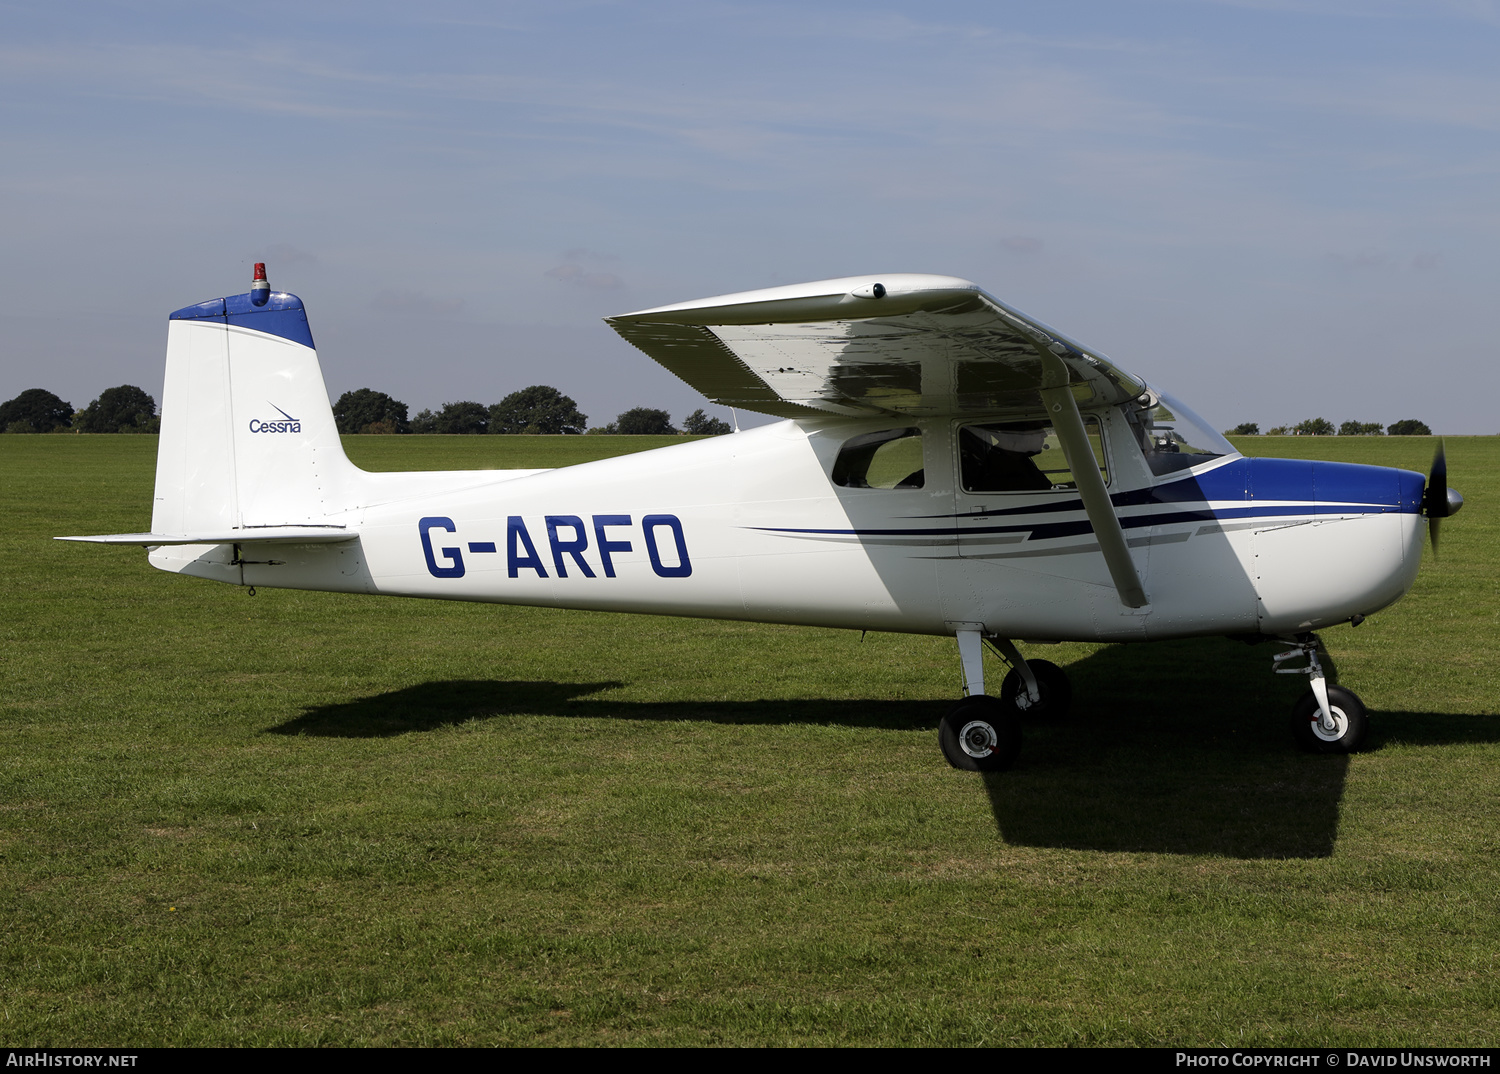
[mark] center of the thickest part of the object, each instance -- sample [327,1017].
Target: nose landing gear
[1328,718]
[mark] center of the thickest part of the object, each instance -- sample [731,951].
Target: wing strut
[1062,409]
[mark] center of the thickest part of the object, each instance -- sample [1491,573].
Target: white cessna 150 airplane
[947,466]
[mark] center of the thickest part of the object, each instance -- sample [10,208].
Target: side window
[1021,457]
[889,459]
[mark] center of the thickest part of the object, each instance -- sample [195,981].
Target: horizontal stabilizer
[249,535]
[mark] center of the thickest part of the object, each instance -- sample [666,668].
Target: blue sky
[1274,209]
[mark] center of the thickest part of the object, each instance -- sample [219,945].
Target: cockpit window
[1171,436]
[889,459]
[1021,457]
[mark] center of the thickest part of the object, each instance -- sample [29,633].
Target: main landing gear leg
[979,733]
[1328,718]
[1032,694]
[1036,689]
[983,733]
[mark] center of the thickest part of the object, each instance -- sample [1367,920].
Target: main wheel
[1349,722]
[980,734]
[1052,682]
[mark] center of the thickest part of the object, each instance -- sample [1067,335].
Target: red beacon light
[260,287]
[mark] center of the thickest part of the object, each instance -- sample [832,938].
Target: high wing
[904,343]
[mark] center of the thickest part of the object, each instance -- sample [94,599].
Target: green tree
[1315,427]
[700,424]
[1280,430]
[1361,428]
[465,418]
[1245,428]
[367,411]
[643,421]
[1408,427]
[37,408]
[126,409]
[537,409]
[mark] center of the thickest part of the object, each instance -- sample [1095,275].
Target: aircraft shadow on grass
[431,705]
[1185,747]
[1175,747]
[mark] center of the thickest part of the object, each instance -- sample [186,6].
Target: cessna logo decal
[285,424]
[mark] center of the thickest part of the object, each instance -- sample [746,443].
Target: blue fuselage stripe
[1040,530]
[1301,487]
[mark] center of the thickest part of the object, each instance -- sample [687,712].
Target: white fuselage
[750,526]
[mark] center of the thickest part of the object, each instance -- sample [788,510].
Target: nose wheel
[1328,718]
[1341,730]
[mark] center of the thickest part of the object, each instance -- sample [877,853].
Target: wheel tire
[1349,718]
[980,734]
[1051,680]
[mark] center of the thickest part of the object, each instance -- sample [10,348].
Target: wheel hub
[1336,731]
[978,738]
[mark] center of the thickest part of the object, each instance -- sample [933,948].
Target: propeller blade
[1435,498]
[1438,482]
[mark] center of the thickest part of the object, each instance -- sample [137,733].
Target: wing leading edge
[903,343]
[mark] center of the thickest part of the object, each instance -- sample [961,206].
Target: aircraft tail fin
[247,435]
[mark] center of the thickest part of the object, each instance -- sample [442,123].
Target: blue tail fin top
[282,315]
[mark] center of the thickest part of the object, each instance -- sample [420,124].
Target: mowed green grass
[303,818]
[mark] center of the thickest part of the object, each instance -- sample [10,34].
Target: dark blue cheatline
[1316,488]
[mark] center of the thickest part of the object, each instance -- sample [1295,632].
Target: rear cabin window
[1021,457]
[889,459]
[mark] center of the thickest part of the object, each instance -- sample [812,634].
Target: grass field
[305,818]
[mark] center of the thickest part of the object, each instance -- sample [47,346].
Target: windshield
[1172,436]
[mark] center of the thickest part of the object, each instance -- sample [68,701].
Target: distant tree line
[126,409]
[1324,427]
[644,421]
[537,410]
